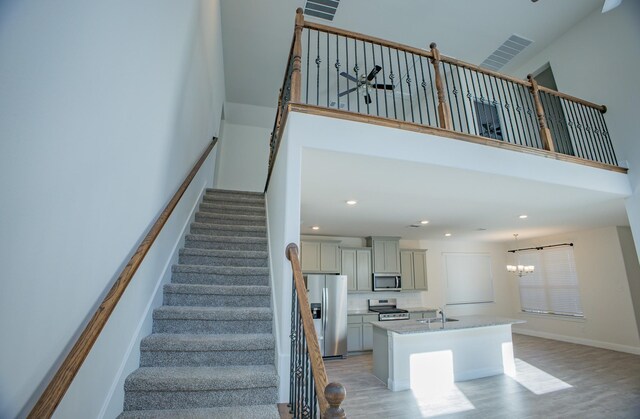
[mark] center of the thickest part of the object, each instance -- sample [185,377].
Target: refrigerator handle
[324,310]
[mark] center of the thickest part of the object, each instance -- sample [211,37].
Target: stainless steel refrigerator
[328,299]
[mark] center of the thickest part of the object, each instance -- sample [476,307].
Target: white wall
[598,60]
[609,317]
[283,220]
[105,107]
[244,155]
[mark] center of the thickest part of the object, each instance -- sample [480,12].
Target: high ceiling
[472,206]
[257,33]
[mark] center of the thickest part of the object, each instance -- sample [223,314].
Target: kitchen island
[413,353]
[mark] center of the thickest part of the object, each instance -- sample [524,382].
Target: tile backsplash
[405,299]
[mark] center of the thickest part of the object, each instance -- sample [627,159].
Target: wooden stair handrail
[329,395]
[61,381]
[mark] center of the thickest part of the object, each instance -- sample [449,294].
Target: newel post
[335,394]
[296,70]
[545,133]
[444,114]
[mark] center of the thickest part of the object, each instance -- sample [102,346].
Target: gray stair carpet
[212,351]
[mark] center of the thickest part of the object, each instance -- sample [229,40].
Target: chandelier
[519,270]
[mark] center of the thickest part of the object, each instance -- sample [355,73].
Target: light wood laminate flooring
[553,379]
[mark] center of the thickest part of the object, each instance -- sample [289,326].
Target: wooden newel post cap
[335,394]
[433,45]
[299,11]
[290,246]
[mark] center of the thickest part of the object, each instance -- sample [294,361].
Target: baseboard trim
[165,277]
[580,341]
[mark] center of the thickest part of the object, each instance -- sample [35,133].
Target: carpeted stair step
[217,295]
[191,350]
[230,219]
[230,192]
[216,320]
[213,229]
[230,208]
[212,257]
[202,241]
[258,411]
[196,387]
[219,275]
[236,199]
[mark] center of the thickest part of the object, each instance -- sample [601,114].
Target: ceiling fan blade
[349,76]
[610,5]
[374,72]
[367,98]
[382,86]
[346,92]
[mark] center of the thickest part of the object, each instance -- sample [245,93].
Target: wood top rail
[367,38]
[59,384]
[329,395]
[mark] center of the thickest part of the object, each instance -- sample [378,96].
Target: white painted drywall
[244,155]
[598,60]
[630,257]
[105,107]
[283,215]
[609,317]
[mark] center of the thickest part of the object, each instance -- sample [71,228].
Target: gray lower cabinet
[360,332]
[356,265]
[413,269]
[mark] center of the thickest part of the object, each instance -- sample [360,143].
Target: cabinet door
[329,257]
[391,256]
[363,270]
[367,337]
[406,269]
[354,337]
[378,256]
[348,268]
[310,256]
[419,270]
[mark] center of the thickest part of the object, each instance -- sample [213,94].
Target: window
[553,287]
[488,120]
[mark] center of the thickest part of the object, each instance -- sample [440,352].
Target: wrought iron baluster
[574,130]
[328,59]
[470,96]
[384,80]
[490,129]
[391,77]
[408,80]
[337,66]
[448,89]
[607,138]
[498,104]
[346,52]
[561,119]
[587,132]
[456,91]
[523,114]
[367,95]
[355,70]
[415,75]
[308,68]
[508,131]
[404,117]
[594,134]
[424,88]
[373,56]
[579,130]
[318,61]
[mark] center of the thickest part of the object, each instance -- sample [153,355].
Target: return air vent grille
[323,9]
[505,52]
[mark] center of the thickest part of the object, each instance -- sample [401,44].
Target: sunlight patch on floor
[432,384]
[536,380]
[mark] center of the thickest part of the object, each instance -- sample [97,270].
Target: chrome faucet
[443,318]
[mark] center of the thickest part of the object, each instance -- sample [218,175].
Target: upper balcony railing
[343,71]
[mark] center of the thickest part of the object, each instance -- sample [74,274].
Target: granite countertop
[464,322]
[418,309]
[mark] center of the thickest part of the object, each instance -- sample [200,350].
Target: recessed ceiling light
[352,202]
[424,222]
[447,235]
[315,228]
[523,216]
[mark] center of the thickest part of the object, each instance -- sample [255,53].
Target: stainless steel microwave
[387,282]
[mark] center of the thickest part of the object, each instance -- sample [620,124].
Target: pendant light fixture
[519,270]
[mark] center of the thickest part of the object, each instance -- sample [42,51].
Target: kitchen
[384,282]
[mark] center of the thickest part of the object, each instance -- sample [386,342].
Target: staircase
[211,353]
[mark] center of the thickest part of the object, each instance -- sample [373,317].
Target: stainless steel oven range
[388,310]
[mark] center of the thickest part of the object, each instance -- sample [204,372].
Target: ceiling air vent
[505,52]
[323,9]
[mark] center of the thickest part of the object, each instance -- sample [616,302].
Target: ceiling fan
[364,83]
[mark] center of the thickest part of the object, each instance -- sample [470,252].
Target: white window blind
[553,286]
